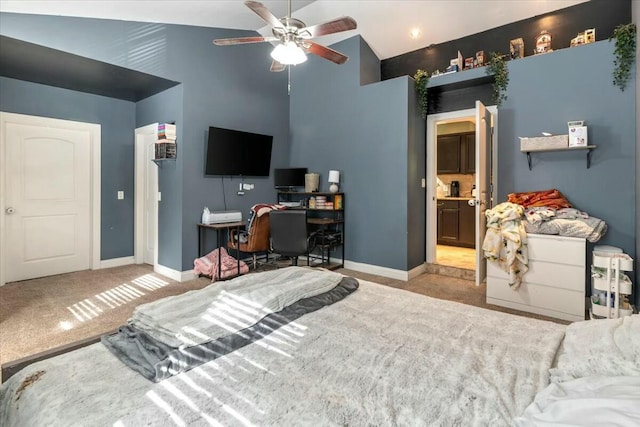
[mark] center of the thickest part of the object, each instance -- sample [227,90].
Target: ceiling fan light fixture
[289,53]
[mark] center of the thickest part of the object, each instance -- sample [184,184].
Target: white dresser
[555,284]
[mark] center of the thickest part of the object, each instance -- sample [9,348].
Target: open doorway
[455,186]
[454,208]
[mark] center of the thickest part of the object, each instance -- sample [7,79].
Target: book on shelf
[165,151]
[166,131]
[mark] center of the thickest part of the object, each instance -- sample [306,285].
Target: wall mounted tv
[289,178]
[232,152]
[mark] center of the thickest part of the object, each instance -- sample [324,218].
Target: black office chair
[289,235]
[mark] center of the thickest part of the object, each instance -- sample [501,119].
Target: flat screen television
[289,178]
[232,152]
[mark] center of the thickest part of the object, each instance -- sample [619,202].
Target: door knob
[10,210]
[472,202]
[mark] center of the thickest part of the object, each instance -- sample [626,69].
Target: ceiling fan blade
[276,67]
[325,52]
[264,13]
[241,40]
[337,25]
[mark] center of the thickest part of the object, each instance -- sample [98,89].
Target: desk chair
[255,240]
[289,236]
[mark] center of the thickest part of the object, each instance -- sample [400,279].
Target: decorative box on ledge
[543,143]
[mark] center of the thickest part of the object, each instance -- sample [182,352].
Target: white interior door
[146,195]
[47,196]
[483,184]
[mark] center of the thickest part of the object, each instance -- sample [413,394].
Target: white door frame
[139,226]
[96,143]
[433,120]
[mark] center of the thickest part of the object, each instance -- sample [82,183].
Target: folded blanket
[591,228]
[505,242]
[157,361]
[207,314]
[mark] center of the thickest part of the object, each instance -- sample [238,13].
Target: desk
[218,227]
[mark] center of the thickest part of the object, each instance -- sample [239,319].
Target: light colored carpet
[40,314]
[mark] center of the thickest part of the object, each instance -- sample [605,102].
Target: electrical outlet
[159,196]
[120,195]
[423,183]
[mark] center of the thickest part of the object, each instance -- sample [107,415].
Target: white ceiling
[385,25]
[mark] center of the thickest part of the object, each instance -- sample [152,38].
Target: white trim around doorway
[431,167]
[140,153]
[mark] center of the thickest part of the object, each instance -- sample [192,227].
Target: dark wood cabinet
[469,153]
[467,220]
[449,154]
[457,153]
[456,223]
[448,222]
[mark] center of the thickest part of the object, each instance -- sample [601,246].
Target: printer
[223,216]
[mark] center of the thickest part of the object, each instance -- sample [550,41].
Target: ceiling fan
[294,37]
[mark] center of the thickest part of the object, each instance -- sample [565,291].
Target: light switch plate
[120,195]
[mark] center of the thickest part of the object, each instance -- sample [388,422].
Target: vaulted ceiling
[385,25]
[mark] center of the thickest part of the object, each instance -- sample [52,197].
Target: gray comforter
[157,361]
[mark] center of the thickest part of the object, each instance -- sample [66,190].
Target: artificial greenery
[498,68]
[624,52]
[422,79]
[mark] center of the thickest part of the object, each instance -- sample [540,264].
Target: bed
[378,356]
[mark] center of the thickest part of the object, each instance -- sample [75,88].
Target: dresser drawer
[537,296]
[557,249]
[562,276]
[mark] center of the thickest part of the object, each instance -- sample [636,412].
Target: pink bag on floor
[208,265]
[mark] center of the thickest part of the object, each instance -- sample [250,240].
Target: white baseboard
[391,273]
[117,262]
[178,276]
[416,271]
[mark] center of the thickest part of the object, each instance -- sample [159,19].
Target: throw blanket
[548,198]
[506,241]
[219,309]
[381,357]
[156,361]
[228,266]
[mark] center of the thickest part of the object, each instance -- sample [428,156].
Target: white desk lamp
[334,179]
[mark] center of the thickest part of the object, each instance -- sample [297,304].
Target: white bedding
[597,378]
[380,357]
[589,401]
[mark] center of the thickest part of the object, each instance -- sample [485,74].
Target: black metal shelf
[589,149]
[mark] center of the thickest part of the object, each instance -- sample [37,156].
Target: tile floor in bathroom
[454,256]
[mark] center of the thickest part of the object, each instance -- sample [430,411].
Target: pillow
[609,347]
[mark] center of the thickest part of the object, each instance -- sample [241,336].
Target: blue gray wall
[363,131]
[118,122]
[221,86]
[167,107]
[544,93]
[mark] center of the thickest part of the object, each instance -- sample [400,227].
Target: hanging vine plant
[498,67]
[625,53]
[422,79]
